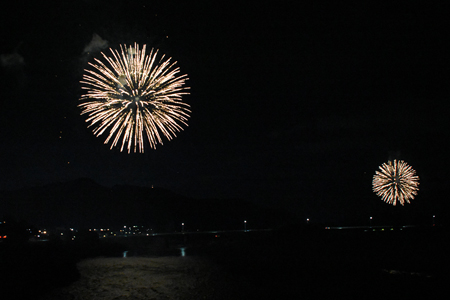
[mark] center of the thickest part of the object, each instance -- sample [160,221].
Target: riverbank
[240,265]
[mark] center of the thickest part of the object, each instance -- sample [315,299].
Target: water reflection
[171,252]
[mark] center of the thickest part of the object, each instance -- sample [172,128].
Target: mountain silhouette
[83,203]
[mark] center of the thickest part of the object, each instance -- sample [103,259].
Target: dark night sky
[292,105]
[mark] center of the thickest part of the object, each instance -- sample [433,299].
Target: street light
[370,221]
[245,225]
[434,224]
[182,227]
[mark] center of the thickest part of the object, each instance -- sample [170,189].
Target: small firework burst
[396,181]
[133,93]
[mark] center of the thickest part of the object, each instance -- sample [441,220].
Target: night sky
[293,106]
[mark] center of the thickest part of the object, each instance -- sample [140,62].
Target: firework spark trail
[136,93]
[396,181]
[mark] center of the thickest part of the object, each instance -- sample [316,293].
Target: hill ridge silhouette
[85,203]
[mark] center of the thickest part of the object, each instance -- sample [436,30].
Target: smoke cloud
[95,45]
[14,66]
[12,60]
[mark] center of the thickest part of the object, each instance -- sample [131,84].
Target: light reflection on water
[173,252]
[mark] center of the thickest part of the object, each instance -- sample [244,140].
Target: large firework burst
[131,93]
[396,181]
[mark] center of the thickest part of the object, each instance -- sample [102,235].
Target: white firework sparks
[132,93]
[396,181]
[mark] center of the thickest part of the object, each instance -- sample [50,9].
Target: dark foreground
[282,264]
